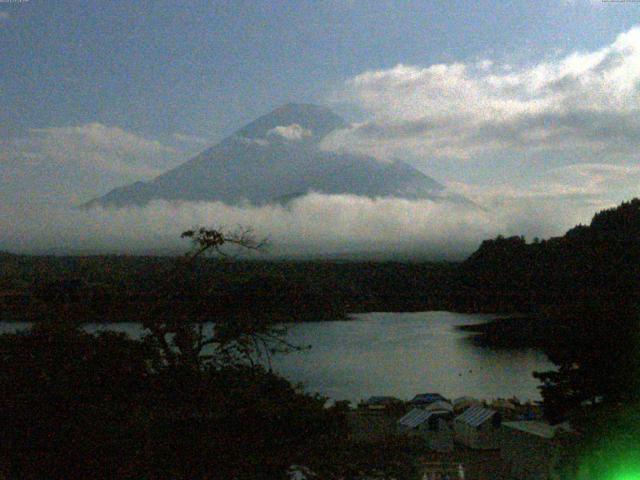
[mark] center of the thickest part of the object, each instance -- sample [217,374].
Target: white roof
[475,416]
[439,406]
[537,428]
[501,403]
[415,417]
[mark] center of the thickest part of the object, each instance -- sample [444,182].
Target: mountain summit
[274,159]
[317,121]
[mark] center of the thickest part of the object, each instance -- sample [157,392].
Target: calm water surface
[403,354]
[398,354]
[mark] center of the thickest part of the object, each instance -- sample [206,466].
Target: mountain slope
[277,158]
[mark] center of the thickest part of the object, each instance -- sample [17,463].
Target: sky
[529,108]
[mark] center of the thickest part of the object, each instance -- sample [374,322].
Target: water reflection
[398,354]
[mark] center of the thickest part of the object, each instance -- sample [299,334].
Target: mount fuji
[276,159]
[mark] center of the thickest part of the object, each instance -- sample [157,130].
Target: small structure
[460,404]
[502,404]
[440,407]
[371,425]
[380,402]
[431,426]
[478,428]
[424,399]
[532,449]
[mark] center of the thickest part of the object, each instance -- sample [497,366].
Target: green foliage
[70,403]
[182,403]
[599,364]
[75,405]
[600,261]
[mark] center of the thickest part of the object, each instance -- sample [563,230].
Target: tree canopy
[184,402]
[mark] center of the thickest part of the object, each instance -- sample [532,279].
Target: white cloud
[583,107]
[584,2]
[584,101]
[313,224]
[293,132]
[110,149]
[558,200]
[80,162]
[54,168]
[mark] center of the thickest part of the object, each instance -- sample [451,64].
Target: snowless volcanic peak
[315,121]
[275,159]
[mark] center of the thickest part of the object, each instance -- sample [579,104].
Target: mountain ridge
[276,157]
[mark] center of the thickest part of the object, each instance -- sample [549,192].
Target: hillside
[599,260]
[568,286]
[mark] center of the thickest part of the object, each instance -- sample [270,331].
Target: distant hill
[600,261]
[276,159]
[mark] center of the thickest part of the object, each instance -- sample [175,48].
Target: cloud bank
[70,165]
[315,224]
[585,103]
[293,132]
[52,170]
[580,113]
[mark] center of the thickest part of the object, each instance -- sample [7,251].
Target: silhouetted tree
[598,361]
[183,403]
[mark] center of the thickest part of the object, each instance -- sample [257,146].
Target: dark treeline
[599,260]
[505,275]
[559,283]
[314,290]
[581,292]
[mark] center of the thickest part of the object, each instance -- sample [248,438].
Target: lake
[398,354]
[403,354]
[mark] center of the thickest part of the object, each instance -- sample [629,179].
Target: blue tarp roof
[475,416]
[414,418]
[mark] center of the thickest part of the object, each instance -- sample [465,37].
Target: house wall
[529,457]
[485,437]
[370,425]
[489,436]
[465,434]
[440,440]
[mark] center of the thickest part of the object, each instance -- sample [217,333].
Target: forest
[505,275]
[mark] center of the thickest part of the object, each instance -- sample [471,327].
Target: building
[533,449]
[478,428]
[367,425]
[460,404]
[431,426]
[380,403]
[505,407]
[440,407]
[423,399]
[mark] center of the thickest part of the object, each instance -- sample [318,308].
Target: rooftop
[415,417]
[475,416]
[537,428]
